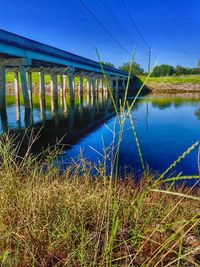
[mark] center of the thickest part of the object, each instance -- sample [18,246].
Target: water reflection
[197,113]
[4,119]
[28,118]
[166,127]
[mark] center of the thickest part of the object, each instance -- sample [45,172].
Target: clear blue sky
[171,27]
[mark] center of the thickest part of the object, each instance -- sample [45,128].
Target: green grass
[173,80]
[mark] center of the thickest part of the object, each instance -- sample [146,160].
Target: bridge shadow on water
[56,122]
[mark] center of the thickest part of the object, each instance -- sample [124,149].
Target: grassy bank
[170,79]
[173,79]
[76,219]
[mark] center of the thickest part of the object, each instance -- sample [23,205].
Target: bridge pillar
[89,86]
[30,89]
[117,85]
[98,82]
[24,84]
[101,85]
[16,85]
[17,97]
[61,91]
[54,92]
[2,86]
[108,84]
[42,90]
[71,87]
[93,87]
[81,89]
[123,85]
[111,82]
[64,92]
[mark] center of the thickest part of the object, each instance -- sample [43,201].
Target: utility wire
[134,23]
[105,29]
[118,23]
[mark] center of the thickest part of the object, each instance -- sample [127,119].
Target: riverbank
[190,84]
[172,84]
[76,219]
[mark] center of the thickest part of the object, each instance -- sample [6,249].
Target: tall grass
[74,218]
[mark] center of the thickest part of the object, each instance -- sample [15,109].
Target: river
[166,126]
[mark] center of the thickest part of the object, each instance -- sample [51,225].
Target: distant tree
[195,70]
[198,63]
[108,64]
[135,69]
[179,70]
[163,70]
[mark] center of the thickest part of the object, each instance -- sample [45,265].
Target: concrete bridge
[24,56]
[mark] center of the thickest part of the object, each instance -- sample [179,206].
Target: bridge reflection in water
[68,120]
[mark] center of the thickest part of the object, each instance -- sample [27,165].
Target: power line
[140,34]
[118,23]
[149,61]
[134,23]
[105,29]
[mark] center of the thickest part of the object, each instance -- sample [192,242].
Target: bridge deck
[12,45]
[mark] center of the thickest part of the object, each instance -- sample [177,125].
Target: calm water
[166,127]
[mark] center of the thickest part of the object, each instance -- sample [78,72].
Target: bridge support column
[42,90]
[98,82]
[123,85]
[108,84]
[117,86]
[54,92]
[89,87]
[61,92]
[111,83]
[71,87]
[2,86]
[24,84]
[101,85]
[30,89]
[17,97]
[64,92]
[81,89]
[93,87]
[16,85]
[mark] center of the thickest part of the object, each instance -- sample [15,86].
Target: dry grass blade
[175,194]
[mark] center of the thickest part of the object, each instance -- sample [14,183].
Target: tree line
[159,71]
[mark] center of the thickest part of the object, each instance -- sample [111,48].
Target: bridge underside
[25,57]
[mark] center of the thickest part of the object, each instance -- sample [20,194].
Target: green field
[35,78]
[169,79]
[172,79]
